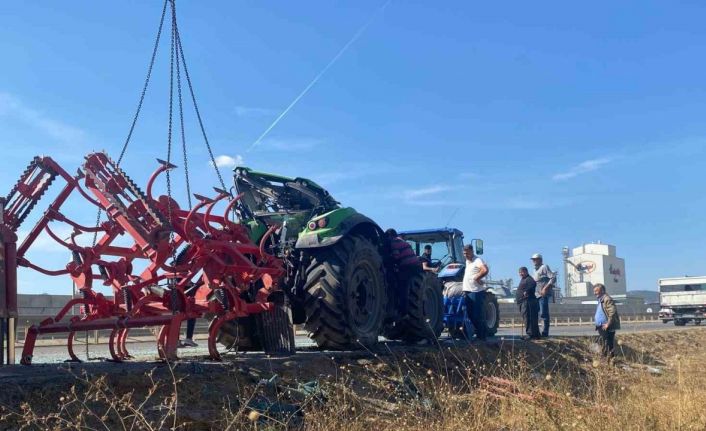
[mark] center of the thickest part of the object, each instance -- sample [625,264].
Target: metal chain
[139,104]
[171,109]
[196,109]
[169,136]
[181,113]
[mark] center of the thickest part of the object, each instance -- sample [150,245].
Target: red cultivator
[197,264]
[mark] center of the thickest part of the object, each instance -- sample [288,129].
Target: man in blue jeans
[474,290]
[546,280]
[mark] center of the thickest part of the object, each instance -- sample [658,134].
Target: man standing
[606,319]
[474,290]
[427,265]
[405,264]
[546,280]
[527,301]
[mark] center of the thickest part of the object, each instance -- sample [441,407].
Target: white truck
[682,299]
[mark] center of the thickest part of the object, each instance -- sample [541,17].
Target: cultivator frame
[198,264]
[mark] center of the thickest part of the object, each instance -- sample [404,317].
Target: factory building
[590,264]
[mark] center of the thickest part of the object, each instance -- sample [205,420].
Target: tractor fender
[353,222]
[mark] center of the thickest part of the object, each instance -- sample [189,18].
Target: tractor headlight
[318,224]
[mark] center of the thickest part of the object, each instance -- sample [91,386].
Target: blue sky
[538,124]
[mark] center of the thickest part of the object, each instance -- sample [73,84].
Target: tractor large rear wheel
[345,295]
[425,311]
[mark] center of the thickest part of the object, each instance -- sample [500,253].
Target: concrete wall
[41,305]
[35,308]
[574,311]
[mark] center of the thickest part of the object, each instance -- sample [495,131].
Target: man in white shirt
[474,290]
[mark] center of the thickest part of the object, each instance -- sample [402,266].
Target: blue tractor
[447,255]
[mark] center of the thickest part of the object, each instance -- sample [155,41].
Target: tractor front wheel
[492,314]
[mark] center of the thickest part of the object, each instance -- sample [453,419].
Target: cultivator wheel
[345,295]
[228,334]
[276,332]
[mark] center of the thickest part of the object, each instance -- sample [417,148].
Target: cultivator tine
[203,199]
[221,191]
[233,202]
[70,348]
[28,348]
[213,330]
[166,164]
[112,340]
[162,342]
[122,344]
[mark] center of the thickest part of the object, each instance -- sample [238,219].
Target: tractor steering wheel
[445,260]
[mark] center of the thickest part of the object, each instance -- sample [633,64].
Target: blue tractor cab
[447,255]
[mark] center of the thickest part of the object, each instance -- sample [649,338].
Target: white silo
[595,263]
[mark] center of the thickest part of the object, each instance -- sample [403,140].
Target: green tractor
[339,280]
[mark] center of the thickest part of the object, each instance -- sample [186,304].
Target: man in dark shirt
[425,258]
[527,301]
[403,263]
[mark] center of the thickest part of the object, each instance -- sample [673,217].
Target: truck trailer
[682,299]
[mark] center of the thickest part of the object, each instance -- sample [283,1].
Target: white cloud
[334,177]
[224,161]
[351,171]
[522,203]
[433,203]
[250,111]
[12,107]
[426,191]
[582,168]
[468,176]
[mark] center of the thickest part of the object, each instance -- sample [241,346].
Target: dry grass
[552,385]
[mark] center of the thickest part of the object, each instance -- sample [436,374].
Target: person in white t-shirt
[474,290]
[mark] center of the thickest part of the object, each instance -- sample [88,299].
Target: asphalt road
[147,350]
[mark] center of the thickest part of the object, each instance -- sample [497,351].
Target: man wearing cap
[474,290]
[546,280]
[526,299]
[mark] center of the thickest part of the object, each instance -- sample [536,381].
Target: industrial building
[590,264]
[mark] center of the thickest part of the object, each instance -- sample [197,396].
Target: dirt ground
[282,393]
